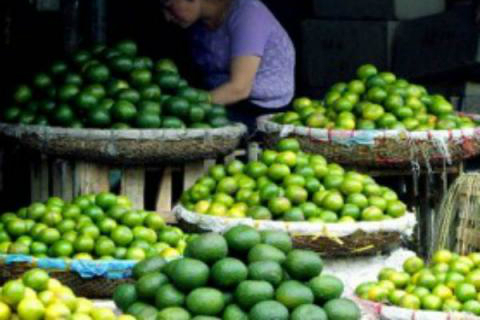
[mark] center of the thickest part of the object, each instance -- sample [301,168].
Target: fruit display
[101,226]
[36,296]
[450,283]
[113,87]
[376,100]
[242,275]
[290,185]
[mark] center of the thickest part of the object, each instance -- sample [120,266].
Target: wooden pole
[71,24]
[98,21]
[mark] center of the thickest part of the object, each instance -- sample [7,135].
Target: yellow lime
[440,267]
[467,261]
[385,273]
[83,256]
[442,291]
[217,209]
[236,213]
[57,311]
[84,306]
[347,219]
[37,279]
[413,265]
[460,267]
[4,311]
[12,292]
[53,284]
[474,278]
[442,256]
[409,301]
[475,258]
[29,293]
[396,296]
[47,297]
[420,292]
[363,288]
[451,304]
[453,278]
[102,314]
[31,309]
[377,293]
[182,244]
[431,302]
[465,291]
[67,297]
[399,279]
[426,280]
[170,253]
[202,206]
[387,284]
[80,316]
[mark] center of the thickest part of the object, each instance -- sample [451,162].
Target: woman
[246,56]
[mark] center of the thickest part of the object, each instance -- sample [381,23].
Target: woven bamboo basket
[90,279]
[132,146]
[330,240]
[378,148]
[374,310]
[459,216]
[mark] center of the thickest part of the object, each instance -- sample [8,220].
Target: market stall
[337,193]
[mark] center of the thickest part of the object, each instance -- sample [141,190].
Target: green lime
[250,292]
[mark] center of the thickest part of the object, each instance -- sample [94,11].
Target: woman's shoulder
[247,8]
[255,4]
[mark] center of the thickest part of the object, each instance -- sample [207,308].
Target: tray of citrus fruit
[243,274]
[37,296]
[377,120]
[91,243]
[447,288]
[323,206]
[114,105]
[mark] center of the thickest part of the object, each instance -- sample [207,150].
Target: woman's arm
[238,88]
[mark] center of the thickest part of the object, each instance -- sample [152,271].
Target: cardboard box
[331,51]
[377,9]
[443,43]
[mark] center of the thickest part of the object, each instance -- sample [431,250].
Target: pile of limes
[36,296]
[243,275]
[101,226]
[376,100]
[113,87]
[450,283]
[290,185]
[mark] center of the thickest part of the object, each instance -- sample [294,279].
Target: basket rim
[379,307]
[112,269]
[403,225]
[30,258]
[236,128]
[264,121]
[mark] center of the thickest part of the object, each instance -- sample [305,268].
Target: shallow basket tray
[90,279]
[377,148]
[130,146]
[374,310]
[329,239]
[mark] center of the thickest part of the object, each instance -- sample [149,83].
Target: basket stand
[69,178]
[422,190]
